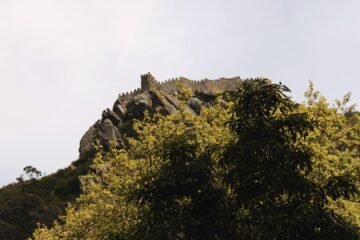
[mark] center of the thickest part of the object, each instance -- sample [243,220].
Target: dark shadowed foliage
[267,168]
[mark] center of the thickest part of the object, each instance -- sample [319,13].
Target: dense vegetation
[255,165]
[30,201]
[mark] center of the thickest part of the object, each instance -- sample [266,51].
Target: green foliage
[37,200]
[276,170]
[183,92]
[267,168]
[335,144]
[30,173]
[117,171]
[154,130]
[179,194]
[102,211]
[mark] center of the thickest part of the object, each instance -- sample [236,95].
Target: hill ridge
[115,123]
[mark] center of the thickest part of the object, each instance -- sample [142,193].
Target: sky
[63,62]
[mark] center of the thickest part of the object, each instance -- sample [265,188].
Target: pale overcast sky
[63,62]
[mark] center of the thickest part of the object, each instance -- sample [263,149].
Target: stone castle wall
[148,83]
[218,85]
[127,96]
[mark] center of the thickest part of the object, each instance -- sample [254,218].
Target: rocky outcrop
[86,142]
[103,132]
[109,131]
[116,123]
[195,104]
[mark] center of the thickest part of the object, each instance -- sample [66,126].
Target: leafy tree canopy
[257,167]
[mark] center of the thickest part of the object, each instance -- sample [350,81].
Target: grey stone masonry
[149,83]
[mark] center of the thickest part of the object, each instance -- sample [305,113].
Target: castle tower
[148,82]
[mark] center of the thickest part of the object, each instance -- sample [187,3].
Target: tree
[278,172]
[181,198]
[335,144]
[268,169]
[105,210]
[101,212]
[30,173]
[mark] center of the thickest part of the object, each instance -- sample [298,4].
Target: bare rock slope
[115,124]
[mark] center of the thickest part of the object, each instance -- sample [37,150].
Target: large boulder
[161,100]
[138,105]
[120,109]
[108,114]
[102,131]
[206,96]
[195,104]
[86,142]
[109,131]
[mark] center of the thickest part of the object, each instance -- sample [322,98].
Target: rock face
[195,104]
[116,123]
[87,140]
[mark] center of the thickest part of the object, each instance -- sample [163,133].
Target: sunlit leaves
[259,165]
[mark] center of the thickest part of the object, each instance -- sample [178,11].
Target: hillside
[24,204]
[153,96]
[254,165]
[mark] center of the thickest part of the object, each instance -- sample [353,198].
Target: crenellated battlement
[218,85]
[170,86]
[128,95]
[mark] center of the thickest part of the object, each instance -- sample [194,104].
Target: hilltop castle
[149,83]
[116,123]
